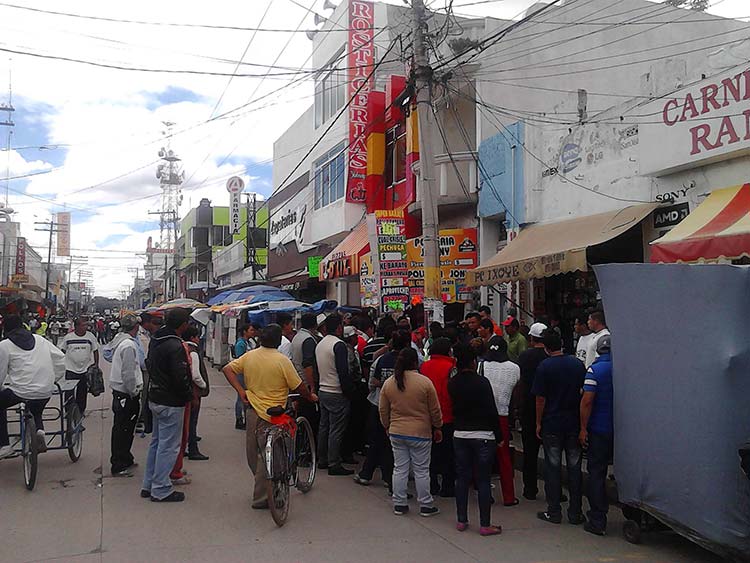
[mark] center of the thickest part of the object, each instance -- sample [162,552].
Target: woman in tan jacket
[410,412]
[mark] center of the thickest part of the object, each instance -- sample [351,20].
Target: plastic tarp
[232,295]
[681,352]
[266,316]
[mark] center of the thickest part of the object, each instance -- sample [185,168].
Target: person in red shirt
[439,369]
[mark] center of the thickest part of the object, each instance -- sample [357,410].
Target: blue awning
[234,295]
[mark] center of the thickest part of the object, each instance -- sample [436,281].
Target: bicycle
[290,457]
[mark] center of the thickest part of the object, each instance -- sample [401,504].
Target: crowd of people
[441,405]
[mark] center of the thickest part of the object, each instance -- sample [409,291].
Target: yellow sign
[532,268]
[19,278]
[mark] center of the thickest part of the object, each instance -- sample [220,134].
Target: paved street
[78,513]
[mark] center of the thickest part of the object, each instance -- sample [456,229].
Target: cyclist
[269,376]
[29,367]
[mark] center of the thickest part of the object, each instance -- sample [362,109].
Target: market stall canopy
[718,228]
[182,304]
[548,249]
[343,261]
[235,295]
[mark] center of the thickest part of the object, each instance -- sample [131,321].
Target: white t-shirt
[79,351]
[285,347]
[583,346]
[31,374]
[474,434]
[503,377]
[591,354]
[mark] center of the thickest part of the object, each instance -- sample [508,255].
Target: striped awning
[718,228]
[343,261]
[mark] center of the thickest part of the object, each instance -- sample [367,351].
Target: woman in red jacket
[439,369]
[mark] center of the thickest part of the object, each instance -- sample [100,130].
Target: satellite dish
[319,19]
[310,34]
[162,153]
[170,153]
[328,5]
[158,174]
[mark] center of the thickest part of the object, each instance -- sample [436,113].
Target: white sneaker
[6,451]
[42,439]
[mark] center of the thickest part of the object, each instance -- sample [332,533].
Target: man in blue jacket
[597,432]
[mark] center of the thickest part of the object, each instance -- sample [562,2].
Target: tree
[698,5]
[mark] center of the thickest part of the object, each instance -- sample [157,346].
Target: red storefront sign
[360,63]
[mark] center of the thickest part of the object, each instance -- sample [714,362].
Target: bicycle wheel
[30,452]
[74,433]
[277,485]
[306,455]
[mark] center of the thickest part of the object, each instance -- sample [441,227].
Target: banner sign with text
[20,256]
[458,254]
[63,233]
[235,185]
[360,63]
[390,228]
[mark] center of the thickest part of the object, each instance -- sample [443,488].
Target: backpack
[95,380]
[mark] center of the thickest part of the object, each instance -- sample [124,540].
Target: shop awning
[718,228]
[343,260]
[548,249]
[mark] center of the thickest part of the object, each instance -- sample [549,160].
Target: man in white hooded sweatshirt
[126,380]
[29,367]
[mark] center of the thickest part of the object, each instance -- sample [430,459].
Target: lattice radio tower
[171,176]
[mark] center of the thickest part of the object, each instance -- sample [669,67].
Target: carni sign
[360,60]
[235,185]
[705,122]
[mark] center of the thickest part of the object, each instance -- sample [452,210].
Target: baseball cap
[604,344]
[508,321]
[537,329]
[129,322]
[349,331]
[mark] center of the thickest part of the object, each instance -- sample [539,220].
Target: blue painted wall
[496,175]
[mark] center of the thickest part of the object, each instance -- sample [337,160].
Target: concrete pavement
[79,513]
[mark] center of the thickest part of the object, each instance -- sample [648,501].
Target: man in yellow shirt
[268,376]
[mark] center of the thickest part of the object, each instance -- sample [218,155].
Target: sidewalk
[79,513]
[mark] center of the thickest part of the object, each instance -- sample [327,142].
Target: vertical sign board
[63,233]
[235,185]
[391,254]
[20,256]
[368,282]
[360,62]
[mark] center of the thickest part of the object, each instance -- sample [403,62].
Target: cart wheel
[632,532]
[74,433]
[30,451]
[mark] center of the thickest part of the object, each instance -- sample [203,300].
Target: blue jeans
[239,407]
[415,454]
[599,454]
[474,459]
[166,439]
[554,445]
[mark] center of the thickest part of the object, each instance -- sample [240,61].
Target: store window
[395,155]
[330,177]
[220,235]
[330,91]
[199,236]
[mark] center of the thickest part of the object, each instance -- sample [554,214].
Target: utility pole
[79,260]
[422,73]
[49,226]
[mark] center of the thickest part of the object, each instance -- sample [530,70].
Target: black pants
[554,446]
[195,410]
[355,436]
[443,463]
[474,460]
[81,391]
[531,446]
[125,409]
[311,412]
[379,452]
[599,454]
[9,399]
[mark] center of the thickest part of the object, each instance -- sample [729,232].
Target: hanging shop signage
[313,266]
[670,216]
[390,228]
[20,256]
[368,283]
[709,120]
[63,233]
[235,185]
[458,255]
[360,63]
[340,266]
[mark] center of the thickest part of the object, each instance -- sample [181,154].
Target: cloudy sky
[86,138]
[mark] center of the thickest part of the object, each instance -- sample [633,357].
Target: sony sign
[288,223]
[703,123]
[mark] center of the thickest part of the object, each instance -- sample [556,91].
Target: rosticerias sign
[360,61]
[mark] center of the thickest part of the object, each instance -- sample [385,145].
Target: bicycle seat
[275,411]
